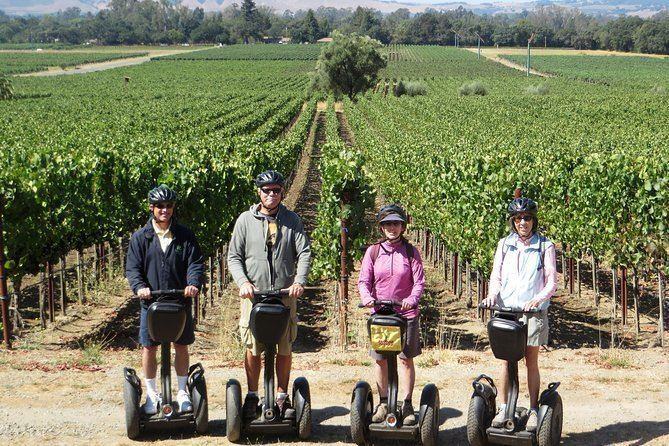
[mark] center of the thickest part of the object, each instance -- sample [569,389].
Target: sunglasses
[517,218]
[164,205]
[268,190]
[391,223]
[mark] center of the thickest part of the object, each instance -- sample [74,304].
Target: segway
[268,323]
[508,339]
[166,319]
[387,332]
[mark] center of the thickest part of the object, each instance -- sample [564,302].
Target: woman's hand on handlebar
[246,290]
[533,304]
[406,306]
[296,290]
[191,291]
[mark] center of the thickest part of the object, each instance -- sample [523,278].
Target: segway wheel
[302,404]
[362,405]
[233,410]
[429,423]
[131,402]
[478,420]
[200,406]
[550,430]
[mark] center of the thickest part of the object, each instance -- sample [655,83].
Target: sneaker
[408,415]
[250,408]
[380,413]
[532,421]
[150,407]
[183,400]
[498,421]
[286,409]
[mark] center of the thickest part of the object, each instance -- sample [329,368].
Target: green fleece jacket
[248,256]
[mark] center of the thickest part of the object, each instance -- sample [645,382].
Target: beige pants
[537,328]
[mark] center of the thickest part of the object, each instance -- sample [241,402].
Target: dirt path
[496,58]
[100,66]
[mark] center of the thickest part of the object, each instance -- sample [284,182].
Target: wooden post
[614,294]
[42,298]
[660,296]
[595,288]
[50,291]
[623,293]
[96,262]
[578,275]
[564,270]
[479,294]
[80,275]
[635,291]
[343,329]
[121,255]
[211,280]
[458,288]
[63,291]
[468,283]
[4,295]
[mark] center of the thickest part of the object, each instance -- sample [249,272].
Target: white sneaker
[532,421]
[150,407]
[498,421]
[183,400]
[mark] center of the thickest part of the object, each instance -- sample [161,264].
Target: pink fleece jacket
[390,277]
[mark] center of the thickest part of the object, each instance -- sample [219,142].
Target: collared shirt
[392,277]
[165,236]
[518,274]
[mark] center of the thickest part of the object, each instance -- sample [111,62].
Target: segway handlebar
[270,293]
[378,303]
[508,309]
[175,292]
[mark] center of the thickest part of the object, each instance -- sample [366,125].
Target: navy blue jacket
[147,266]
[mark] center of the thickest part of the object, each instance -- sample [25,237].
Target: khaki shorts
[286,342]
[537,328]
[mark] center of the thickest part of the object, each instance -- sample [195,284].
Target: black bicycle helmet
[269,177]
[162,194]
[391,212]
[525,205]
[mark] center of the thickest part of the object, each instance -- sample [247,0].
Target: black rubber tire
[200,406]
[550,430]
[302,396]
[233,410]
[477,422]
[429,424]
[362,405]
[131,403]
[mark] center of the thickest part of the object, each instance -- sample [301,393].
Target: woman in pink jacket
[393,270]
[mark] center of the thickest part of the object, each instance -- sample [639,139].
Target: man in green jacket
[269,250]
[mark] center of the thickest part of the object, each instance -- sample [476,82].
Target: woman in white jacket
[524,277]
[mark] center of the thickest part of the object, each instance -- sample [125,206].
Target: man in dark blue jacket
[164,255]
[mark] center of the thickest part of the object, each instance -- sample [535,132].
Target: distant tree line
[127,22]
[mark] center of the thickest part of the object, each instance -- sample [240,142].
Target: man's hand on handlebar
[144,293]
[296,290]
[191,291]
[406,306]
[246,290]
[533,304]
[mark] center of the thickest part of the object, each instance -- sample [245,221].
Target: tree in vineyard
[348,65]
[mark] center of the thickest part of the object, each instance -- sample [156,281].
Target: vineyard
[21,62]
[82,154]
[620,71]
[590,145]
[256,52]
